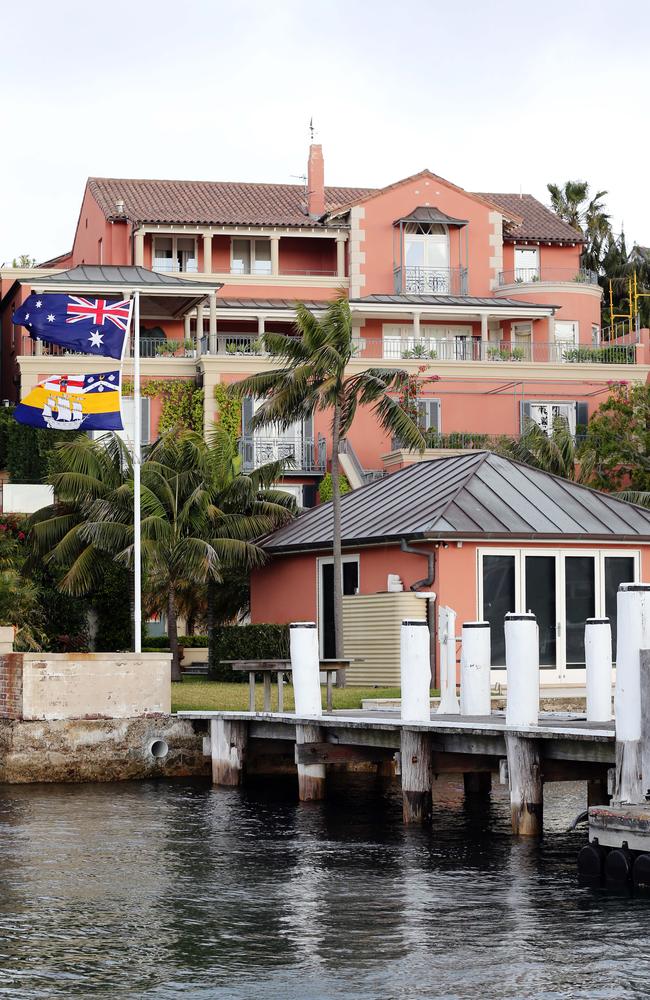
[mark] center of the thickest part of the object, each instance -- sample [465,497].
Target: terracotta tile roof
[235,204]
[212,202]
[539,222]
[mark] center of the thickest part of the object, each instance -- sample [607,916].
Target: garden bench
[281,667]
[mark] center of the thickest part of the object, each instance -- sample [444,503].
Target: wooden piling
[228,740]
[526,786]
[417,776]
[311,777]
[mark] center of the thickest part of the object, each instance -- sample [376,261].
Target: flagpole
[137,457]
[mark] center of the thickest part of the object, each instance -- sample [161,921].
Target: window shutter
[582,415]
[246,415]
[524,416]
[309,495]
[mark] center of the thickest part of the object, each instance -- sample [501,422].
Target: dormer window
[422,253]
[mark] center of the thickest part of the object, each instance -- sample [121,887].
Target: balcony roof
[161,293]
[478,495]
[426,214]
[468,301]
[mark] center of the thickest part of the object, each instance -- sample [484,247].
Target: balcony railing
[427,349]
[469,440]
[416,280]
[307,455]
[530,275]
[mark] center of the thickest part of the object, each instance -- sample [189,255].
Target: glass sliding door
[563,588]
[499,596]
[579,604]
[541,599]
[617,570]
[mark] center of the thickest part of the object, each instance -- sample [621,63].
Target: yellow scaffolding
[629,315]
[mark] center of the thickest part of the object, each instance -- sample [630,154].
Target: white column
[633,634]
[275,255]
[213,323]
[207,252]
[340,257]
[415,670]
[416,326]
[522,670]
[475,658]
[305,668]
[551,330]
[199,326]
[138,248]
[484,328]
[598,661]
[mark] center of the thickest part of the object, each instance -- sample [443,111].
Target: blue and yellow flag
[74,403]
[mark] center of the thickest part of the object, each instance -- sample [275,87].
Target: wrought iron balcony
[419,280]
[307,455]
[530,275]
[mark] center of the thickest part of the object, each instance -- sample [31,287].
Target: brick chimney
[315,182]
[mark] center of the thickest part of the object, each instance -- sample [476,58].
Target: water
[173,889]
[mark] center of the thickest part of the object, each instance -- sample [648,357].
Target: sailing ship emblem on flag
[74,402]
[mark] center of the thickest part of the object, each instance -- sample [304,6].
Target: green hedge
[245,642]
[154,642]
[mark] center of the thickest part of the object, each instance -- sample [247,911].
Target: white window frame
[293,489]
[252,241]
[573,416]
[571,341]
[174,258]
[560,672]
[535,276]
[328,561]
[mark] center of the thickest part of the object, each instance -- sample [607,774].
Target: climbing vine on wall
[229,411]
[182,403]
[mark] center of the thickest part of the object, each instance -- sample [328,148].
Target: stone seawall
[72,750]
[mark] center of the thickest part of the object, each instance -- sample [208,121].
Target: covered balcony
[430,253]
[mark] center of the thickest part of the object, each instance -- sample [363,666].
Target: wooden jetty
[557,749]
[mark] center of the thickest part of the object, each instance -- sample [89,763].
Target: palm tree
[197,518]
[573,203]
[313,378]
[199,514]
[556,453]
[85,471]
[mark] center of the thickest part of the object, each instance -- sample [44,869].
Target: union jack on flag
[82,325]
[99,311]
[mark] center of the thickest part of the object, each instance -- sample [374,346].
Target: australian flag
[89,326]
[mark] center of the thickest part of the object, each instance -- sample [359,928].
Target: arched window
[426,256]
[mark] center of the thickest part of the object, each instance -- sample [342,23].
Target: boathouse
[474,531]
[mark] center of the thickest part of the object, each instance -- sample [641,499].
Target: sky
[494,95]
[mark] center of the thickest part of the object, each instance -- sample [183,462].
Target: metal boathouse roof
[477,495]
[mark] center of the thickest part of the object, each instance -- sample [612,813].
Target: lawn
[196,693]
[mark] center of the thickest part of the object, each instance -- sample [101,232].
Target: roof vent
[120,208]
